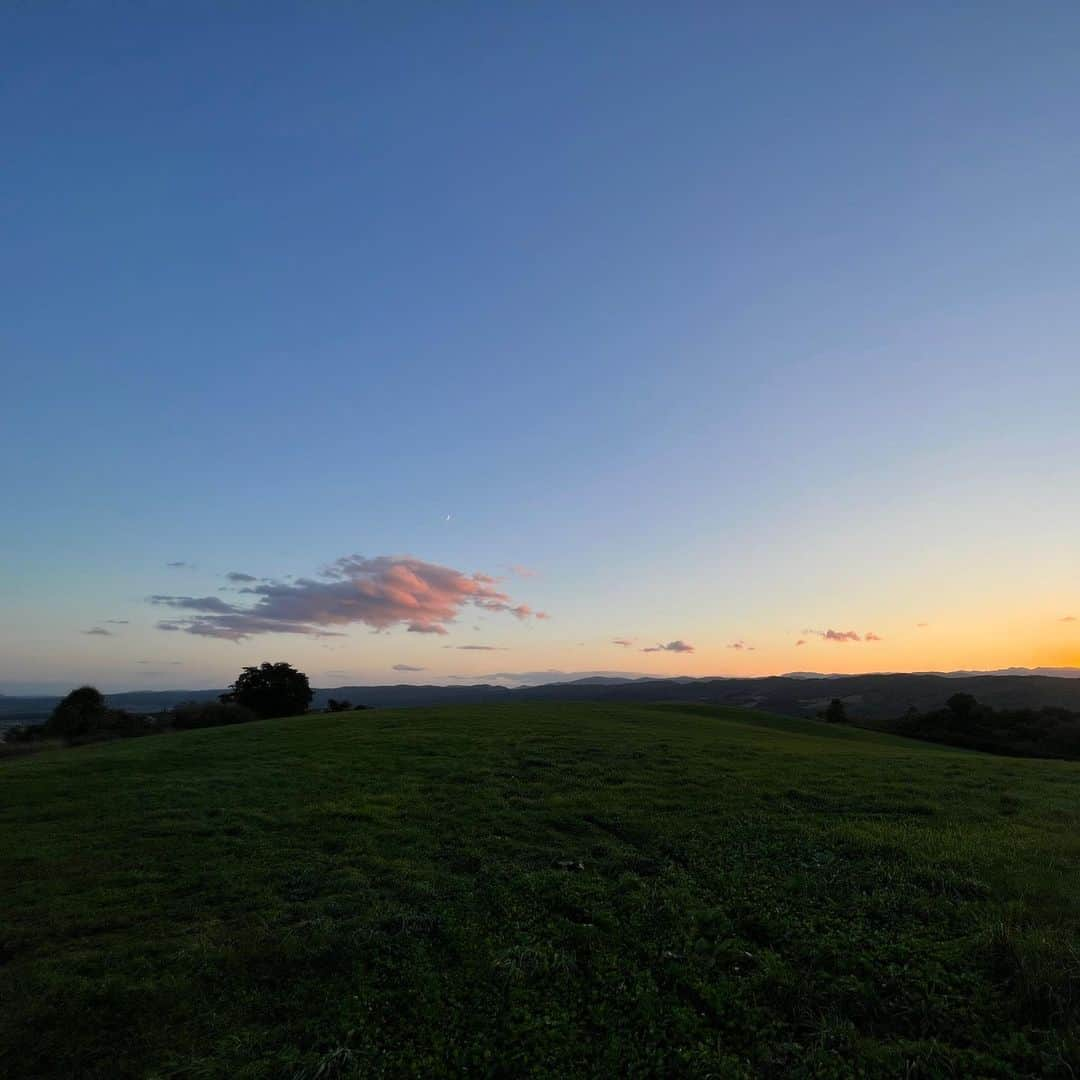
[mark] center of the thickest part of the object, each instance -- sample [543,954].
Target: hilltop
[537,889]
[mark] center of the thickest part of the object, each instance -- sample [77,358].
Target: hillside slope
[547,889]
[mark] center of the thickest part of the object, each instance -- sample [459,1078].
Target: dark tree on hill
[962,709]
[333,705]
[271,690]
[836,713]
[82,712]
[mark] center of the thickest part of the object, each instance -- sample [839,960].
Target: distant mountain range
[869,697]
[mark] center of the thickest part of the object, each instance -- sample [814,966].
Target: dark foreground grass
[548,890]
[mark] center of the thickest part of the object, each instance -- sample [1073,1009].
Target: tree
[82,712]
[836,713]
[333,705]
[962,708]
[271,690]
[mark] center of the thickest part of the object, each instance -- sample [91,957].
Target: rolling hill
[537,888]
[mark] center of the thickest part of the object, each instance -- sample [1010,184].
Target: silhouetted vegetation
[202,714]
[84,716]
[334,705]
[964,721]
[835,713]
[271,690]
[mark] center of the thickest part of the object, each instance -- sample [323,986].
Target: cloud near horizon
[98,631]
[381,592]
[842,636]
[408,667]
[671,646]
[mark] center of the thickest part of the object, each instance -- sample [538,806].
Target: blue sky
[728,324]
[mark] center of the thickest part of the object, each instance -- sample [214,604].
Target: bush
[333,705]
[201,714]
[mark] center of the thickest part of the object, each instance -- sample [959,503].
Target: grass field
[548,890]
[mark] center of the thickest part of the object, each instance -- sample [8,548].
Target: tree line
[264,692]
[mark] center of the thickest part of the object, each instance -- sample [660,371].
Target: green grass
[548,890]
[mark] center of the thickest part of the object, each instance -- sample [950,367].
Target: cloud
[871,636]
[408,667]
[625,642]
[671,646]
[181,565]
[1067,618]
[380,592]
[118,622]
[801,641]
[741,646]
[98,631]
[235,575]
[835,635]
[476,648]
[213,604]
[922,625]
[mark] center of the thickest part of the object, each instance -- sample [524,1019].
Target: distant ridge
[873,697]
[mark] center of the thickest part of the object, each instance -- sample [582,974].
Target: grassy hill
[537,889]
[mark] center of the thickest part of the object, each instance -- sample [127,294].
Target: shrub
[201,714]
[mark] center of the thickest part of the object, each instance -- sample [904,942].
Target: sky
[478,339]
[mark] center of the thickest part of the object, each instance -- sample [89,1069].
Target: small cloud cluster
[671,646]
[841,636]
[741,646]
[380,592]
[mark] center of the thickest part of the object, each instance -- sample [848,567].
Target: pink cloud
[381,592]
[801,641]
[671,646]
[871,636]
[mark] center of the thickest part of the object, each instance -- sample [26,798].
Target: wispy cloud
[801,641]
[871,636]
[741,646]
[841,636]
[98,631]
[211,604]
[922,625]
[476,648]
[623,641]
[235,575]
[381,592]
[671,646]
[181,565]
[118,622]
[1067,618]
[408,667]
